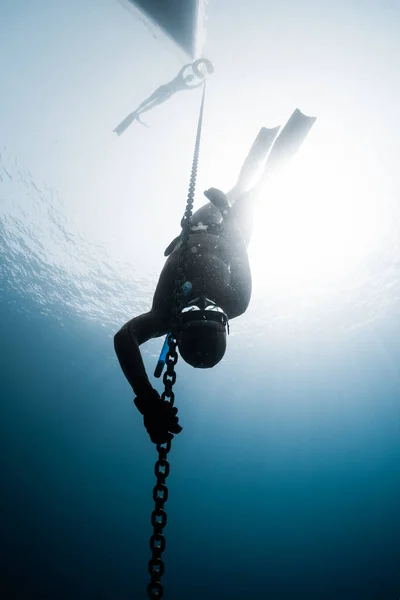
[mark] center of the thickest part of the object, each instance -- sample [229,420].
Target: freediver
[183,81]
[217,268]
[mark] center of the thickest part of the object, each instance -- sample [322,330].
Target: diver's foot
[218,199]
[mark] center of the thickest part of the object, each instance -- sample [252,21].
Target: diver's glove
[159,416]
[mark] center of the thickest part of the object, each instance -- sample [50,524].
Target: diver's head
[202,333]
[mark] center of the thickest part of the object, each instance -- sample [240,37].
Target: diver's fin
[254,160]
[119,130]
[289,140]
[172,245]
[139,120]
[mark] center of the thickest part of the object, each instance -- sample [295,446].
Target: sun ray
[319,217]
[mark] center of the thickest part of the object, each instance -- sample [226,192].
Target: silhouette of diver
[183,81]
[218,275]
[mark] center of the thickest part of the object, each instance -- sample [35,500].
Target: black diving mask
[203,309]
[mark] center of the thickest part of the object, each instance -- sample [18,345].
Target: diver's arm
[159,416]
[126,343]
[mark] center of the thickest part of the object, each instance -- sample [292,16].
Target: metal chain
[161,470]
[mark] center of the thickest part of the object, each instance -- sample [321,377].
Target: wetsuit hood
[202,333]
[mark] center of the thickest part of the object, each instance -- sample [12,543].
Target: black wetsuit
[217,266]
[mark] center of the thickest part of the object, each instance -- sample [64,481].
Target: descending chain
[160,492]
[185,224]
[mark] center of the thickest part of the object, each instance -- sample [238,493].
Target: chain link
[160,491]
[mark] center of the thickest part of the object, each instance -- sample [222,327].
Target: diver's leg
[242,200]
[253,162]
[158,97]
[238,219]
[164,292]
[243,211]
[133,116]
[162,94]
[159,92]
[209,213]
[284,148]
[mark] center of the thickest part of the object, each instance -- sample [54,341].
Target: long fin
[256,156]
[288,141]
[258,152]
[119,130]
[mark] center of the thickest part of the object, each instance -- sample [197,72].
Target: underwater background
[285,481]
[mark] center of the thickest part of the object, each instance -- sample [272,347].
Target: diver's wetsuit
[217,266]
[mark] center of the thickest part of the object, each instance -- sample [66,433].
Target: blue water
[284,482]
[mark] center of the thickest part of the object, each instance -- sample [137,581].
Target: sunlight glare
[320,217]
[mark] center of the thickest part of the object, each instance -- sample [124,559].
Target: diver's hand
[160,418]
